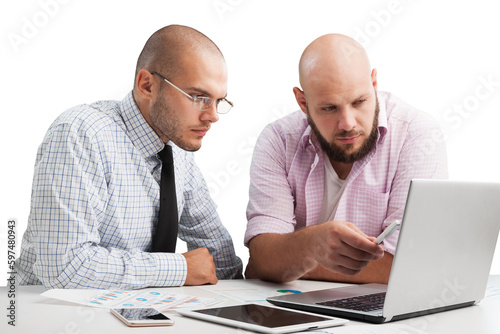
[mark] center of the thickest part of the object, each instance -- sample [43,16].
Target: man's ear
[301,99]
[144,83]
[374,78]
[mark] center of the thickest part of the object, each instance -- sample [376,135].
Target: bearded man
[327,179]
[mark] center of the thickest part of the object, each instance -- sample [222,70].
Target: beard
[343,155]
[169,123]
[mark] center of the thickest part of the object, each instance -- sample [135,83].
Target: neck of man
[341,169]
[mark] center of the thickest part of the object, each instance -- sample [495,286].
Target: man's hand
[200,267]
[341,247]
[337,246]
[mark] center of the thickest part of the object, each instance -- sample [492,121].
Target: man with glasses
[327,179]
[96,210]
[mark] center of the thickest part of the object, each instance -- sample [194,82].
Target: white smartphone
[263,319]
[142,317]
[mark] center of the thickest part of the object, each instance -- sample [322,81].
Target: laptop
[442,261]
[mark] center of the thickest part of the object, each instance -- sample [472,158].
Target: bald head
[175,46]
[339,97]
[333,58]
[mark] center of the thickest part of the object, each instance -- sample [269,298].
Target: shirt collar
[308,137]
[138,130]
[382,118]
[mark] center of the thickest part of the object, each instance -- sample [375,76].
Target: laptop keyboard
[364,303]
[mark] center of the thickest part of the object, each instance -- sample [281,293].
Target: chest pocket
[364,208]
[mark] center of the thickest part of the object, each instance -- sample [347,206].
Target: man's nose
[210,114]
[347,121]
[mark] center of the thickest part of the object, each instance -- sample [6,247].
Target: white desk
[38,314]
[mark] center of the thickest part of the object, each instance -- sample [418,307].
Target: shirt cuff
[172,269]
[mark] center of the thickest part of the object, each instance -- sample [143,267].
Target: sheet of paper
[155,298]
[369,329]
[492,291]
[248,294]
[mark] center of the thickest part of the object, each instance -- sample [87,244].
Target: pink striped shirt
[287,173]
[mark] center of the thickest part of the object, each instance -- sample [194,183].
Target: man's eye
[202,99]
[360,101]
[329,108]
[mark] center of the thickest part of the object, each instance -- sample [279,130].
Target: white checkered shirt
[95,202]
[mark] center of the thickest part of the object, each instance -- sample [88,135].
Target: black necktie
[165,237]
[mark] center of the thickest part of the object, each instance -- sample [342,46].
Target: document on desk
[492,291]
[369,329]
[162,301]
[254,293]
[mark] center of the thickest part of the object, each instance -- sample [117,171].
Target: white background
[435,55]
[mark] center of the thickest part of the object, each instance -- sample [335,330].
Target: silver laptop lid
[445,247]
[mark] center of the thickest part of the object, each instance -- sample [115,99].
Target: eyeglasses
[202,103]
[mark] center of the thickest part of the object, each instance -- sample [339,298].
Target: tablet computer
[264,319]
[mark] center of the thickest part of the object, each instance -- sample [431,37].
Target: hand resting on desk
[200,267]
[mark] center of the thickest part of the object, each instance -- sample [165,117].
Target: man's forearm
[338,246]
[376,272]
[115,269]
[280,257]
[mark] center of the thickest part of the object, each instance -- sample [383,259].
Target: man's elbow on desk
[276,276]
[268,260]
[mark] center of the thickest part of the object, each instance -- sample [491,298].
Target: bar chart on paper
[162,301]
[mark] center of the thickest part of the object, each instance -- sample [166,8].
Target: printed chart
[162,301]
[492,291]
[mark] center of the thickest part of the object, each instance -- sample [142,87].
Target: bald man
[327,179]
[96,186]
